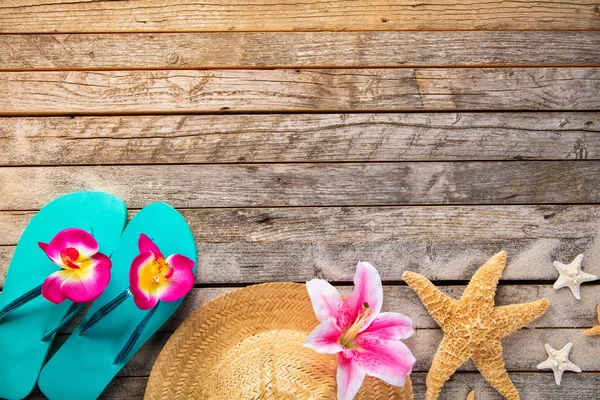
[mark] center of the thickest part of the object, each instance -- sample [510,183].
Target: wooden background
[298,138]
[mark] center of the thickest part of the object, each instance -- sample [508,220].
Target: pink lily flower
[153,277]
[85,272]
[365,340]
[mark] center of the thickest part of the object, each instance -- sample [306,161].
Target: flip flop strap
[75,310]
[20,301]
[104,310]
[108,308]
[122,356]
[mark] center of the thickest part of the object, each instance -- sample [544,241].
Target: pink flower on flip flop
[153,277]
[366,341]
[85,272]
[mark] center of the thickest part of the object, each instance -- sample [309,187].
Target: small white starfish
[572,276]
[558,361]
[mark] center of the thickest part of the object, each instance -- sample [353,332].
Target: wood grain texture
[565,312]
[523,350]
[531,386]
[268,15]
[237,246]
[299,49]
[314,184]
[299,138]
[208,91]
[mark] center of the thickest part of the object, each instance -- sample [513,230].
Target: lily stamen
[348,337]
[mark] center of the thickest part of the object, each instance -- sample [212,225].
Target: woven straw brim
[247,344]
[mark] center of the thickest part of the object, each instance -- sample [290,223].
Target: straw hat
[247,344]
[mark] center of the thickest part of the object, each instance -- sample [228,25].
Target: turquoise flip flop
[28,320]
[131,309]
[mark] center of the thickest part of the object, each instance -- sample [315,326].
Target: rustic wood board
[521,353]
[299,49]
[27,16]
[445,243]
[404,89]
[531,386]
[300,138]
[312,184]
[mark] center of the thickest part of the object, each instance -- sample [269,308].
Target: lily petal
[51,287]
[325,338]
[146,244]
[141,280]
[75,238]
[181,279]
[387,359]
[87,284]
[367,290]
[391,325]
[350,376]
[326,300]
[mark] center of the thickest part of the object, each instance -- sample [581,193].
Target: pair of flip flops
[75,252]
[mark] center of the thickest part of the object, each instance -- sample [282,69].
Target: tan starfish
[471,395]
[596,329]
[473,327]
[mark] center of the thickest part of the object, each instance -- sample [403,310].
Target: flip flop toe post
[60,264]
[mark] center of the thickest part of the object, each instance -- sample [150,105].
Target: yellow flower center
[348,337]
[159,268]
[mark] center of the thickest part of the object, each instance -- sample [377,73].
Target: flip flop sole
[22,352]
[83,366]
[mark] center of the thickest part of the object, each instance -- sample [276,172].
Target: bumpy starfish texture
[473,327]
[572,276]
[558,361]
[596,329]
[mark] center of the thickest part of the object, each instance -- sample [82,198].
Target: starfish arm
[585,277]
[491,365]
[437,303]
[557,375]
[515,316]
[471,395]
[595,331]
[575,290]
[545,365]
[559,266]
[482,287]
[450,355]
[572,367]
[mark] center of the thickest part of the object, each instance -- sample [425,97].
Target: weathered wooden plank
[270,15]
[445,243]
[299,138]
[370,224]
[299,49]
[563,312]
[523,350]
[314,184]
[400,89]
[531,386]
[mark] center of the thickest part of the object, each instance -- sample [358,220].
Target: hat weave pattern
[248,344]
